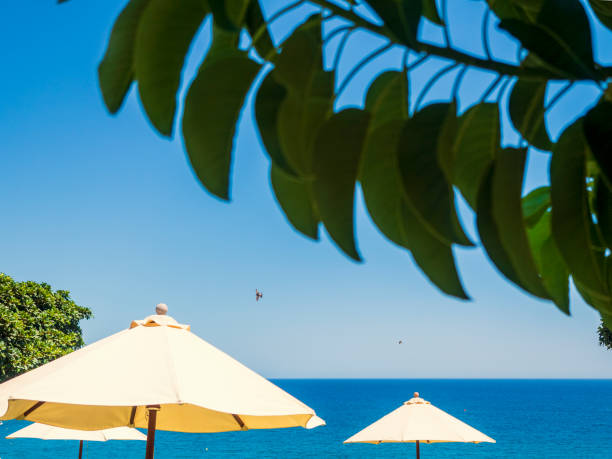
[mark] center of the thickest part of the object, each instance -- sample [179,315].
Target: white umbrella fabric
[417,421]
[154,375]
[45,432]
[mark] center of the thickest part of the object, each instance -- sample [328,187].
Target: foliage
[37,325]
[605,336]
[410,161]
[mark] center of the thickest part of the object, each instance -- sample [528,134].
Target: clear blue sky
[103,207]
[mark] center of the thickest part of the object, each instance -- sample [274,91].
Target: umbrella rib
[32,408]
[132,416]
[239,421]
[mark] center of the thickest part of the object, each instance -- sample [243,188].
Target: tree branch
[451,53]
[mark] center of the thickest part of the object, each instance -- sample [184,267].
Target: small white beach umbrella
[154,375]
[418,421]
[45,432]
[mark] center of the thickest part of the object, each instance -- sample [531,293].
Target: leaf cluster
[37,325]
[409,161]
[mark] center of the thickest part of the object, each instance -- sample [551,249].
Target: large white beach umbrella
[45,432]
[154,375]
[418,421]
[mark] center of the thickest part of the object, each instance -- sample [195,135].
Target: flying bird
[258,295]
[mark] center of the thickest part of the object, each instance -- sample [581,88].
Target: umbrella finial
[161,309]
[416,395]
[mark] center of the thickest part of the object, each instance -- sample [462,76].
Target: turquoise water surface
[528,418]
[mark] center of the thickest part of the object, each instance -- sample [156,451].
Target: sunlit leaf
[296,199]
[116,71]
[571,217]
[554,273]
[427,190]
[598,133]
[527,112]
[165,33]
[535,204]
[338,151]
[212,108]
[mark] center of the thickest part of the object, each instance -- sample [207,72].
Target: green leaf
[338,150]
[603,11]
[561,38]
[212,107]
[554,273]
[535,204]
[527,112]
[571,216]
[229,14]
[433,257]
[165,33]
[603,210]
[476,144]
[430,11]
[296,199]
[380,180]
[258,29]
[309,101]
[401,18]
[430,195]
[488,230]
[505,212]
[267,107]
[387,98]
[507,9]
[598,133]
[116,71]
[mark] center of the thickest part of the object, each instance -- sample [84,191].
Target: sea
[527,418]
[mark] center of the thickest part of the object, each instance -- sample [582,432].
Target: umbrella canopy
[45,432]
[154,375]
[417,421]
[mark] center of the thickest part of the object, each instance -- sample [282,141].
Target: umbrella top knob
[416,394]
[161,309]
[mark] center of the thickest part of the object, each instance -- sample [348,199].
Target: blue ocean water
[528,418]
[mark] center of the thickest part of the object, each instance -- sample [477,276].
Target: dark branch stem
[451,53]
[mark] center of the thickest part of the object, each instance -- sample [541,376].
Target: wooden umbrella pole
[418,452]
[81,449]
[152,410]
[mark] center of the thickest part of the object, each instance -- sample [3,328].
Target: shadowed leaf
[310,89]
[527,112]
[571,217]
[603,11]
[267,106]
[476,145]
[433,257]
[598,133]
[254,22]
[387,98]
[603,210]
[401,18]
[506,188]
[229,14]
[116,71]
[212,108]
[296,200]
[338,151]
[165,33]
[427,190]
[430,11]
